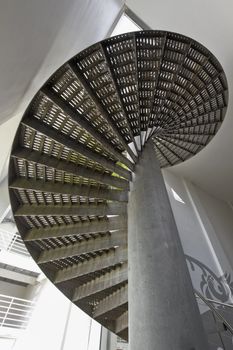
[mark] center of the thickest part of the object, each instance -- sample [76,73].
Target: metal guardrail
[13,243]
[209,303]
[15,312]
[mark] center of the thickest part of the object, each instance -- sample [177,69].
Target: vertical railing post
[7,311]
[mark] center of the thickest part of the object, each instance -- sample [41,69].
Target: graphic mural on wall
[212,287]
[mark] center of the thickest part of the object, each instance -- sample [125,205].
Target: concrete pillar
[163,313]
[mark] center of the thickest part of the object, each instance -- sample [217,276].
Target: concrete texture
[163,313]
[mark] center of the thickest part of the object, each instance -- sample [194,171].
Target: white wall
[86,23]
[210,23]
[47,327]
[36,38]
[28,292]
[13,290]
[4,198]
[194,241]
[220,216]
[108,340]
[200,218]
[45,33]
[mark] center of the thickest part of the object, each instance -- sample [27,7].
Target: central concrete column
[163,314]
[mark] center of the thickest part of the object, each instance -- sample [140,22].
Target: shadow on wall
[212,286]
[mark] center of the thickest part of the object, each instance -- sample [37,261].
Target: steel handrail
[219,303]
[212,308]
[15,312]
[12,242]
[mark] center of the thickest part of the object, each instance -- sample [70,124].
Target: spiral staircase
[77,147]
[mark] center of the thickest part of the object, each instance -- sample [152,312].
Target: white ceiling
[209,22]
[36,37]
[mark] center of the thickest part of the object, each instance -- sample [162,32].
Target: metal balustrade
[12,243]
[210,303]
[15,312]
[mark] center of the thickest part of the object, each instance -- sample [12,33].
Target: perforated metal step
[77,146]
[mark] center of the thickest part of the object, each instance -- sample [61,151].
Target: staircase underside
[77,146]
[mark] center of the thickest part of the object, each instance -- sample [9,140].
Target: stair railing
[210,303]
